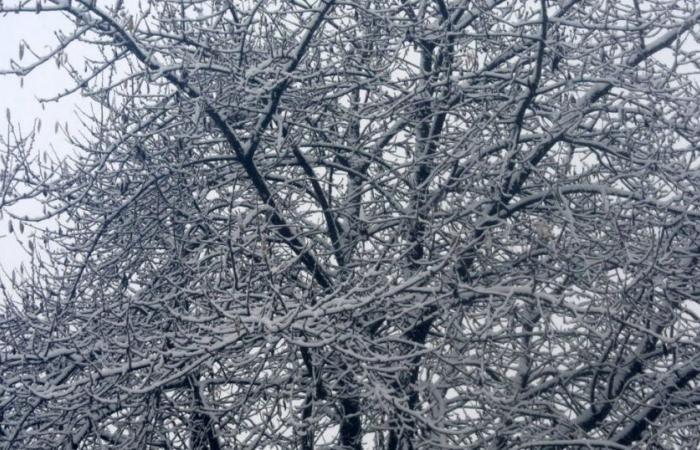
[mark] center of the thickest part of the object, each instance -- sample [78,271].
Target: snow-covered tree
[363,224]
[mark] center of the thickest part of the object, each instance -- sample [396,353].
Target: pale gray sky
[38,31]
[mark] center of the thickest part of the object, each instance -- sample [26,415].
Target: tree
[362,224]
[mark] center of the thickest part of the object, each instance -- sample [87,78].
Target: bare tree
[387,224]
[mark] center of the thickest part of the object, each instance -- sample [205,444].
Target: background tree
[362,224]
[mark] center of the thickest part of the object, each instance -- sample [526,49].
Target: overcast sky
[38,31]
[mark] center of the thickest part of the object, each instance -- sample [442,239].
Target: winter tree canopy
[358,224]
